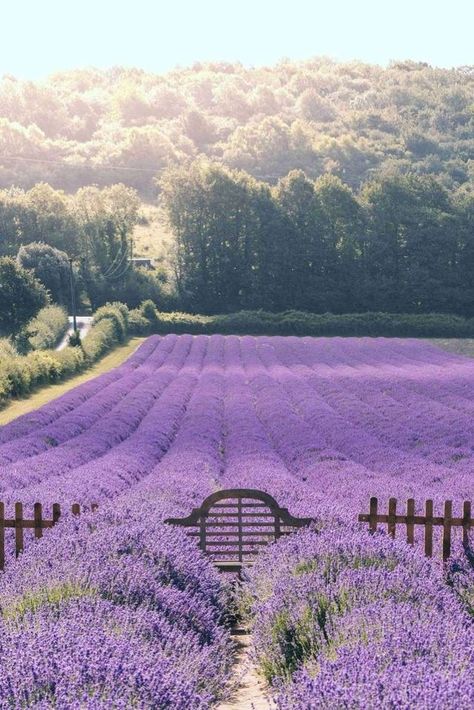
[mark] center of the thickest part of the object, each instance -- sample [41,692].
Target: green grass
[31,601]
[47,393]
[461,346]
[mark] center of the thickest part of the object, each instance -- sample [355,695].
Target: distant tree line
[402,244]
[43,228]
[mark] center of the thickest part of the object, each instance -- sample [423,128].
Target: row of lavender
[320,424]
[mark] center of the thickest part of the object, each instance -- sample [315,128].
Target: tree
[412,245]
[50,266]
[306,232]
[21,296]
[106,219]
[314,107]
[344,227]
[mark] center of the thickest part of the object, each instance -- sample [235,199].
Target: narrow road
[83,324]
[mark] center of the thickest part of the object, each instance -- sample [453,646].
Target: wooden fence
[38,523]
[428,521]
[280,517]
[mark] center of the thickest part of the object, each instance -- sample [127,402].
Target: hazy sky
[39,37]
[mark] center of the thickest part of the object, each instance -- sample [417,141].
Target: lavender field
[135,617]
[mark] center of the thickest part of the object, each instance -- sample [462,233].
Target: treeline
[346,119]
[403,244]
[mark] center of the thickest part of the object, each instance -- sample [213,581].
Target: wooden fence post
[448,514]
[373,515]
[392,517]
[18,528]
[2,537]
[38,509]
[76,509]
[411,521]
[429,528]
[466,522]
[56,512]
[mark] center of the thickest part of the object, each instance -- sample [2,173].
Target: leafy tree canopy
[21,296]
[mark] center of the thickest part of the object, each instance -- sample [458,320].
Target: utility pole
[73,295]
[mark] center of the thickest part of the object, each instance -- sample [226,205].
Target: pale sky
[39,37]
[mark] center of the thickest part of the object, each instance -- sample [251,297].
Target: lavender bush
[119,610]
[345,620]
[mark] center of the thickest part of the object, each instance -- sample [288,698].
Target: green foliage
[404,244]
[138,324]
[366,199]
[20,374]
[308,324]
[94,226]
[115,314]
[140,284]
[21,296]
[148,310]
[50,266]
[348,119]
[47,328]
[32,601]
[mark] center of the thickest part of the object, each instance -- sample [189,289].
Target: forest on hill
[352,120]
[318,186]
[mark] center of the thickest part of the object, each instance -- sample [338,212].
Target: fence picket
[56,513]
[18,528]
[411,521]
[429,528]
[373,515]
[467,522]
[38,512]
[448,514]
[392,517]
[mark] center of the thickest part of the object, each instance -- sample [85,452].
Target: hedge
[20,374]
[431,325]
[47,329]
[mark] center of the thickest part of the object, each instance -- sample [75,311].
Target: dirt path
[251,691]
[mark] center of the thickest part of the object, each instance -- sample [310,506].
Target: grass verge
[46,393]
[461,346]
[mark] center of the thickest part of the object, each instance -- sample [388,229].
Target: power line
[104,166]
[64,164]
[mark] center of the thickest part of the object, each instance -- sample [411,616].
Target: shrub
[138,324]
[46,330]
[117,314]
[148,310]
[346,619]
[19,374]
[21,296]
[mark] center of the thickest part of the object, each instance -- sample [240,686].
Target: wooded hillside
[351,120]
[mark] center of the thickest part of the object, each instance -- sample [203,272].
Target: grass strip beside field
[45,394]
[461,346]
